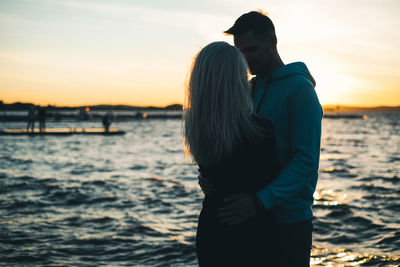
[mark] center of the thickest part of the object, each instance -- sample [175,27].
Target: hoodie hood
[293,69]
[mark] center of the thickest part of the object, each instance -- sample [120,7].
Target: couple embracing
[257,145]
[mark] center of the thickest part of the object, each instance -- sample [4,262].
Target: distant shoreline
[18,106]
[340,108]
[26,106]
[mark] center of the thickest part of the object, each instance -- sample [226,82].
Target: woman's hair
[218,104]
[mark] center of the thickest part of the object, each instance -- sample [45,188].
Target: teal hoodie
[292,105]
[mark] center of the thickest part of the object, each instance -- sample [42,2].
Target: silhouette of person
[285,95]
[31,120]
[106,120]
[41,115]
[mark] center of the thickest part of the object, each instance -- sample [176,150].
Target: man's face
[257,52]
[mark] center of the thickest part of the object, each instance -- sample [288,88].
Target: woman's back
[249,168]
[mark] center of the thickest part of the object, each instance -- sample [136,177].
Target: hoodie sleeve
[304,115]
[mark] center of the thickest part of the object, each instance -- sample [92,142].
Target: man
[106,120]
[31,120]
[285,95]
[41,115]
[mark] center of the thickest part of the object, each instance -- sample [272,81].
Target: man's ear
[274,40]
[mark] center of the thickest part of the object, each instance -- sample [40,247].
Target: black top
[249,168]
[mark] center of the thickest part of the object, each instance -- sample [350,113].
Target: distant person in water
[235,150]
[285,95]
[106,120]
[41,115]
[31,120]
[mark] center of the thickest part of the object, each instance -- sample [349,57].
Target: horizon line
[89,105]
[177,103]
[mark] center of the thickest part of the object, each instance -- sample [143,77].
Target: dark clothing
[249,168]
[246,244]
[258,242]
[292,244]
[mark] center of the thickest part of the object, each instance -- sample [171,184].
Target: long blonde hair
[218,104]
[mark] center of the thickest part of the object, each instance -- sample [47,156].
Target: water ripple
[134,200]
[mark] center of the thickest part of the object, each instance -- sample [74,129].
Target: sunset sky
[83,52]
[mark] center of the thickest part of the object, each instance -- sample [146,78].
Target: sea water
[133,200]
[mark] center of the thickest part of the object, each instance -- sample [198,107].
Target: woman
[235,151]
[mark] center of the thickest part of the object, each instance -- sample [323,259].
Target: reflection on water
[335,257]
[357,202]
[134,199]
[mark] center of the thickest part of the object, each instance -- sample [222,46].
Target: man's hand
[205,185]
[239,208]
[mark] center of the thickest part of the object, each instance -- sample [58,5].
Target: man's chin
[254,71]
